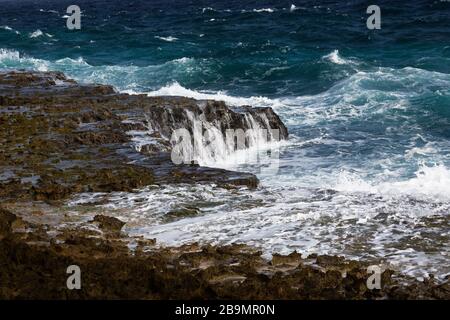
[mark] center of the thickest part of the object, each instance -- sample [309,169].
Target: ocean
[366,170]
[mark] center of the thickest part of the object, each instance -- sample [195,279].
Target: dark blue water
[368,110]
[236,49]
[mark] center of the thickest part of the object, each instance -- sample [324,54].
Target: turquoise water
[366,171]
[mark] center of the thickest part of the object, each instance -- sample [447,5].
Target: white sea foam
[69,61]
[49,11]
[38,33]
[207,9]
[425,150]
[35,34]
[283,219]
[260,10]
[8,28]
[168,39]
[6,55]
[314,206]
[12,58]
[334,57]
[175,89]
[269,10]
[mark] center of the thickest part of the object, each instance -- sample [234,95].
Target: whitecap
[168,39]
[35,34]
[207,9]
[425,150]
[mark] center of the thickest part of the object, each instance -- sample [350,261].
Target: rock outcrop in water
[59,138]
[34,266]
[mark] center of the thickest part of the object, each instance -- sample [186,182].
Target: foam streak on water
[366,170]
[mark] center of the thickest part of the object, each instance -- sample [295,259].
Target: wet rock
[182,213]
[110,224]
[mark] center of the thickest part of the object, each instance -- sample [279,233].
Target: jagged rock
[110,224]
[67,138]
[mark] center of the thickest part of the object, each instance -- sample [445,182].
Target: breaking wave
[335,58]
[430,183]
[168,39]
[8,28]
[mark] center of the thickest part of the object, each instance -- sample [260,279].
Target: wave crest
[167,39]
[429,184]
[335,58]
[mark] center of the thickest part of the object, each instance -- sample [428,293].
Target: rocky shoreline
[60,138]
